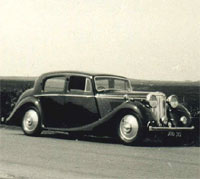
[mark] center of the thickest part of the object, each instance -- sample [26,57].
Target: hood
[131,94]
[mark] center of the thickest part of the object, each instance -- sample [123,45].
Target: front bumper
[171,128]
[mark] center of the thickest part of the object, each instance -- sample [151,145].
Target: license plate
[174,134]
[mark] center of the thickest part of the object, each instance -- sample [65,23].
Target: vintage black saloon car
[100,104]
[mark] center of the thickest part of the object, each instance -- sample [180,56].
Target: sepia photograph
[98,89]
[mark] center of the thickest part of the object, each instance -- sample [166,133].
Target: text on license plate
[174,134]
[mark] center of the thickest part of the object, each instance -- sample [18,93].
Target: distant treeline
[188,92]
[10,90]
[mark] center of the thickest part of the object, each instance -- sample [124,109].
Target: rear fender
[18,111]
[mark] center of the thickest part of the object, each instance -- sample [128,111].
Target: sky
[140,39]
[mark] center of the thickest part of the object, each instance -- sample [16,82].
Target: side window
[102,84]
[55,84]
[79,84]
[121,84]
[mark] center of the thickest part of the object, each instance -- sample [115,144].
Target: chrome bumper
[171,128]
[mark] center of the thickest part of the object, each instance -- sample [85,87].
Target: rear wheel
[31,122]
[130,129]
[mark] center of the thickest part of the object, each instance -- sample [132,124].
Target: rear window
[55,84]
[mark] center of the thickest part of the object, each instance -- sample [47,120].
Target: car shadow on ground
[108,140]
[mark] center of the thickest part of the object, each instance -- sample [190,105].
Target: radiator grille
[160,110]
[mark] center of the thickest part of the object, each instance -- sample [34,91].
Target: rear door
[52,101]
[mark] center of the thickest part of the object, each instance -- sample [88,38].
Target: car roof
[92,74]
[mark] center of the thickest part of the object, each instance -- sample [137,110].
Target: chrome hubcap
[128,127]
[30,120]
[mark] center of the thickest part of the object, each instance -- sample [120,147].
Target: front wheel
[31,122]
[130,129]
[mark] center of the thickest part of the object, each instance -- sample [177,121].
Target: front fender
[109,121]
[17,112]
[176,113]
[182,108]
[126,106]
[141,110]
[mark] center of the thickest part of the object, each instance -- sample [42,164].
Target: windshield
[112,83]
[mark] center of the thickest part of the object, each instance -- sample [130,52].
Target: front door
[80,103]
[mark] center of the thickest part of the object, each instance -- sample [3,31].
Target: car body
[101,104]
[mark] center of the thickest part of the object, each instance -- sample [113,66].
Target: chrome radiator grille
[160,110]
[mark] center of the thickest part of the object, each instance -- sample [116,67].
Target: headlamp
[173,101]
